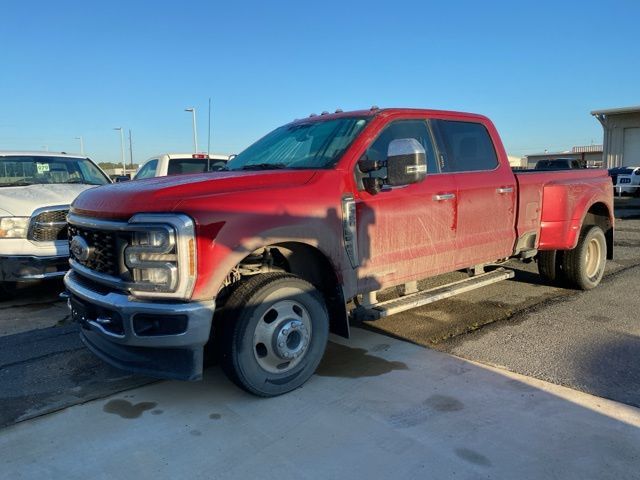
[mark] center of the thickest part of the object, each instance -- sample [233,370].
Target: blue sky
[81,68]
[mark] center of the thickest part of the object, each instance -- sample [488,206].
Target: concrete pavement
[378,408]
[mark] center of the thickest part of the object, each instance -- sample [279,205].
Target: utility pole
[81,145]
[209,138]
[130,150]
[124,167]
[195,130]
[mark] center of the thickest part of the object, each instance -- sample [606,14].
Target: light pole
[124,168]
[195,130]
[81,145]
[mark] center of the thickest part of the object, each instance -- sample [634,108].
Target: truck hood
[22,201]
[163,194]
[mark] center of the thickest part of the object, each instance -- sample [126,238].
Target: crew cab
[180,163]
[260,260]
[36,189]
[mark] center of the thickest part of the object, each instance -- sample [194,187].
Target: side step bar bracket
[419,299]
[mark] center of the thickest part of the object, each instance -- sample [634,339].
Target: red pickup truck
[262,259]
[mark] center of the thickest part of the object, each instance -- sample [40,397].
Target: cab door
[405,233]
[486,192]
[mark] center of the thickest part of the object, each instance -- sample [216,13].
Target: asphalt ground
[44,367]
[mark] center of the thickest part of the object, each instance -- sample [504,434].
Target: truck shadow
[594,366]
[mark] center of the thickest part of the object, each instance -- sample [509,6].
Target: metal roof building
[589,155]
[621,135]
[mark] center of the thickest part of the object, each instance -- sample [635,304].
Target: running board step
[425,297]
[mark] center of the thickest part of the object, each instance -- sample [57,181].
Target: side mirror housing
[406,162]
[122,178]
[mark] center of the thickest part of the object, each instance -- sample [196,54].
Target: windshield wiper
[263,166]
[19,183]
[79,181]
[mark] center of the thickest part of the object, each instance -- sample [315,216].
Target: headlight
[14,227]
[152,258]
[161,256]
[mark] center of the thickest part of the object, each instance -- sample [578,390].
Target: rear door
[408,232]
[486,191]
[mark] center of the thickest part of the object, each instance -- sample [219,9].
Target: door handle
[503,190]
[444,196]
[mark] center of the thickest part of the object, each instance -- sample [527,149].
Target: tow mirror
[406,162]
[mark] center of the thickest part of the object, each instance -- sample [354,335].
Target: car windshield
[621,170]
[311,145]
[20,170]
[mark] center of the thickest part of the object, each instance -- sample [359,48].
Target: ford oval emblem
[80,248]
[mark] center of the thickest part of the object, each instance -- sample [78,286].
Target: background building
[621,135]
[590,155]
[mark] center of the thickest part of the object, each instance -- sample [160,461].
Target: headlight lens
[14,227]
[152,258]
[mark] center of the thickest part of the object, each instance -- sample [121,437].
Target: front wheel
[584,265]
[274,331]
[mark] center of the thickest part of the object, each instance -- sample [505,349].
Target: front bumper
[164,340]
[27,268]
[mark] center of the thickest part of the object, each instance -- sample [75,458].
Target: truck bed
[549,201]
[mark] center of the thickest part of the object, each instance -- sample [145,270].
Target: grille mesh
[49,226]
[104,245]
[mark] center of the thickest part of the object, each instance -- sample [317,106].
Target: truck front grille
[48,226]
[106,248]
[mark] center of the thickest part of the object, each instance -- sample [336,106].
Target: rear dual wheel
[582,267]
[274,330]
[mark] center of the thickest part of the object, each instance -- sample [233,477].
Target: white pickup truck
[36,189]
[179,163]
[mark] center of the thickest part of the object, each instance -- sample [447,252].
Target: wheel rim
[593,258]
[281,337]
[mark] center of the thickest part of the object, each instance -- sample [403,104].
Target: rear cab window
[464,146]
[179,166]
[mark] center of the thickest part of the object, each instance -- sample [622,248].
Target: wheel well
[306,262]
[598,214]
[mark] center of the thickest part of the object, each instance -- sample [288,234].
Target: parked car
[626,180]
[180,163]
[559,164]
[36,189]
[317,213]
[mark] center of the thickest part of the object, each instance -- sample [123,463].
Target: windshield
[621,170]
[300,145]
[27,170]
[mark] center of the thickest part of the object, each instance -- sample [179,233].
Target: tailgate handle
[444,196]
[504,190]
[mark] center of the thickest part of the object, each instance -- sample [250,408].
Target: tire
[584,265]
[7,290]
[549,267]
[274,331]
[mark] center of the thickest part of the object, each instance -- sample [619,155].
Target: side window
[148,170]
[179,166]
[402,129]
[465,146]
